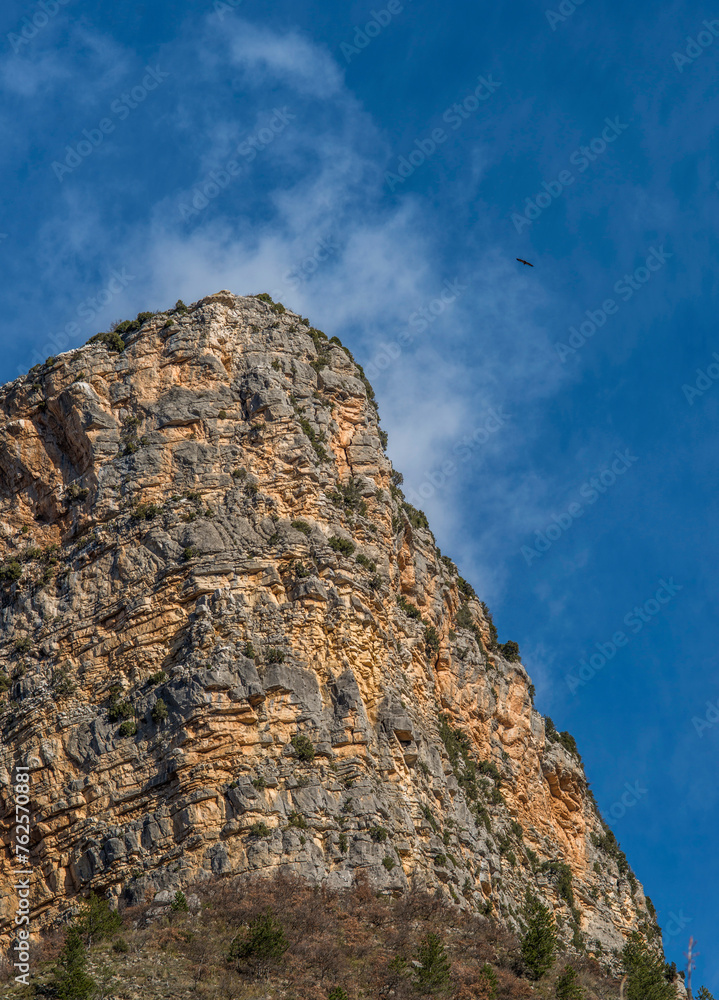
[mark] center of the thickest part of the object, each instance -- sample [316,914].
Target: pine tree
[179,902]
[97,921]
[704,994]
[488,982]
[71,981]
[432,975]
[263,944]
[540,940]
[646,972]
[568,987]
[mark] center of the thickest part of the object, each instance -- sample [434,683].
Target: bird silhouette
[524,262]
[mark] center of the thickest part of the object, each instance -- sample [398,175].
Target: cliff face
[209,574]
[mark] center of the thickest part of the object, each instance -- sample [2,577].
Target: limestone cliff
[230,645]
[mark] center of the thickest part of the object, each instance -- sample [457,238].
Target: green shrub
[510,651]
[180,306]
[159,678]
[262,944]
[303,748]
[128,728]
[112,340]
[259,783]
[368,564]
[315,439]
[342,545]
[302,526]
[23,645]
[179,903]
[278,308]
[76,494]
[378,834]
[539,942]
[121,946]
[189,553]
[297,820]
[70,978]
[389,863]
[342,841]
[337,994]
[489,768]
[432,975]
[222,415]
[143,317]
[159,711]
[561,875]
[464,618]
[146,511]
[120,710]
[265,297]
[566,739]
[11,571]
[417,518]
[249,650]
[128,326]
[275,655]
[568,987]
[348,496]
[259,830]
[431,639]
[5,683]
[409,609]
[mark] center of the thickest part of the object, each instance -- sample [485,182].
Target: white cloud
[266,56]
[486,350]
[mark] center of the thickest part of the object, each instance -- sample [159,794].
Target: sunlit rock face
[231,646]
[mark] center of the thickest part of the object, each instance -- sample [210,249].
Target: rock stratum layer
[209,575]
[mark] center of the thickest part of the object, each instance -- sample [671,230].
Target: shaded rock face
[215,558]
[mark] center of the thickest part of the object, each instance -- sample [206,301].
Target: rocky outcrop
[230,645]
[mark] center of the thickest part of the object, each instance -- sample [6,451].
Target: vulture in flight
[524,262]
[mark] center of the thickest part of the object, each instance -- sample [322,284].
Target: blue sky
[382,182]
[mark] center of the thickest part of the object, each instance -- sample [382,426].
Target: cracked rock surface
[229,645]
